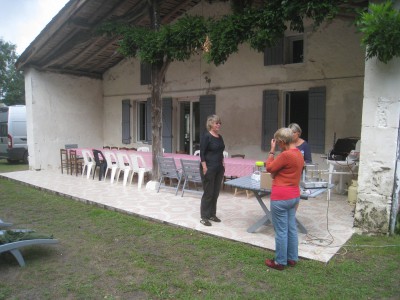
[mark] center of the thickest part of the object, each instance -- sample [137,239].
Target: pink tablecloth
[233,166]
[239,167]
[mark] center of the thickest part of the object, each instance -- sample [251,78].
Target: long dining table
[234,167]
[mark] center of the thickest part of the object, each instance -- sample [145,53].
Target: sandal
[215,219]
[272,264]
[205,222]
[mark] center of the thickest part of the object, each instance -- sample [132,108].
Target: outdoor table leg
[268,218]
[264,220]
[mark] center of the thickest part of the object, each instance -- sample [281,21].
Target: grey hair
[211,120]
[295,127]
[284,135]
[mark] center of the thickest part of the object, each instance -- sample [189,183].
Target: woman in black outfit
[212,169]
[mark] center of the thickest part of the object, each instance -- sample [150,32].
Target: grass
[109,255]
[5,166]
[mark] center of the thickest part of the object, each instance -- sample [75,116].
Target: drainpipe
[396,188]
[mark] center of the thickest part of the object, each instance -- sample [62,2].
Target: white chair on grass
[112,164]
[139,167]
[88,162]
[124,165]
[143,149]
[226,154]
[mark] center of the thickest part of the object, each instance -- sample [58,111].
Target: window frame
[281,53]
[141,117]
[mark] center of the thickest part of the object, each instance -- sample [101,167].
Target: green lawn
[5,166]
[110,255]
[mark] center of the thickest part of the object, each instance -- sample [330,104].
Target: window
[145,74]
[288,50]
[3,129]
[307,108]
[295,50]
[141,109]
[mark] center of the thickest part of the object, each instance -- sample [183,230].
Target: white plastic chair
[112,164]
[143,149]
[88,162]
[125,166]
[139,168]
[196,153]
[226,154]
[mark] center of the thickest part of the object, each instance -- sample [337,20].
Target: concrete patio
[329,223]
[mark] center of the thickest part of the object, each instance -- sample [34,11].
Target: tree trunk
[156,118]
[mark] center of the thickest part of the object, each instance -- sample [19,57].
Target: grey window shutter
[269,117]
[145,73]
[167,124]
[207,108]
[274,55]
[316,119]
[149,134]
[126,121]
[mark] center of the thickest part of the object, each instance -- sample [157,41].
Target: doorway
[296,111]
[189,133]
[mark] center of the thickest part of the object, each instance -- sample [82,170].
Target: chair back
[237,156]
[191,170]
[143,149]
[110,157]
[87,156]
[75,163]
[97,154]
[135,162]
[196,153]
[65,163]
[123,159]
[167,167]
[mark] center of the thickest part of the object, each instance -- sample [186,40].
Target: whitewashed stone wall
[61,110]
[380,123]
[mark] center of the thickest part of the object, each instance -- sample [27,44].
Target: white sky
[21,21]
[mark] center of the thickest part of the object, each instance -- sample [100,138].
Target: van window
[3,130]
[19,128]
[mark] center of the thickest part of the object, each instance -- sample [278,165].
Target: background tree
[12,87]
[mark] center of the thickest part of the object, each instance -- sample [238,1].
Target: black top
[212,150]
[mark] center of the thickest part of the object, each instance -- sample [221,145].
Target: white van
[13,140]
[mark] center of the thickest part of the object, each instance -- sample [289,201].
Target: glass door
[189,137]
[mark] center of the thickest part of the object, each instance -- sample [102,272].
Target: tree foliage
[258,26]
[177,41]
[12,88]
[380,26]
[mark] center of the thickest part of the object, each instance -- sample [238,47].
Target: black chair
[101,162]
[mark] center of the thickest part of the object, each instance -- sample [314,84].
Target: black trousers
[212,181]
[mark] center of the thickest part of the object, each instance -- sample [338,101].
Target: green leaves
[177,41]
[381,31]
[12,87]
[260,27]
